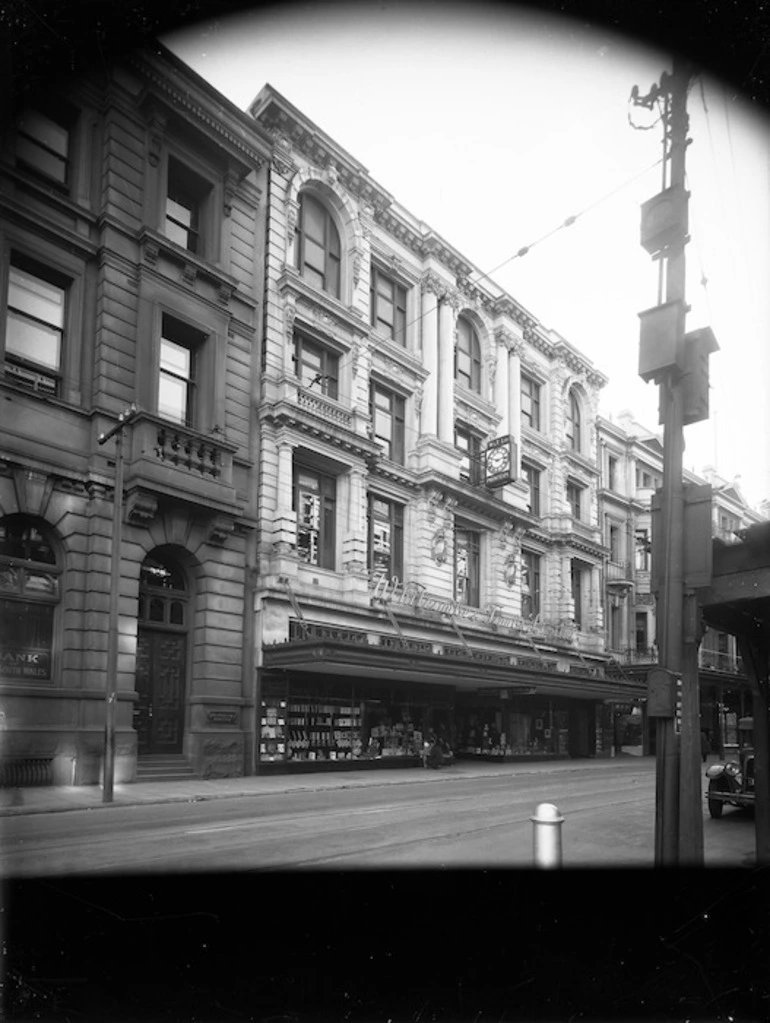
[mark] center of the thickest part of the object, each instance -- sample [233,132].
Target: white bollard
[546,846]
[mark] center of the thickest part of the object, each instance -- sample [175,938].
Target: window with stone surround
[530,584]
[575,500]
[35,325]
[315,498]
[530,402]
[386,536]
[469,443]
[316,365]
[187,198]
[574,422]
[44,137]
[29,592]
[467,355]
[388,306]
[467,564]
[532,475]
[387,411]
[180,350]
[317,245]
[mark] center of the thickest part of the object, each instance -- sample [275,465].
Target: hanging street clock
[499,462]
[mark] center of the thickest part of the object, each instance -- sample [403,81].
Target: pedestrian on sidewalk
[705,744]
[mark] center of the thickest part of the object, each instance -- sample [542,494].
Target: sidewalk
[15,802]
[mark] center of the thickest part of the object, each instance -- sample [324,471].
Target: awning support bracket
[295,607]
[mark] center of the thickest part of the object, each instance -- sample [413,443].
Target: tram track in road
[333,858]
[155,846]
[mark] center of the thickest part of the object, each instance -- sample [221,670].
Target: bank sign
[18,662]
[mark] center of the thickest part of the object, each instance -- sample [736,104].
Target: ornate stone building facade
[132,211]
[630,462]
[399,590]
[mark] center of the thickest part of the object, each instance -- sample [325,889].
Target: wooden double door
[160,684]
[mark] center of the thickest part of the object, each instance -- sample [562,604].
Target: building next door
[161,656]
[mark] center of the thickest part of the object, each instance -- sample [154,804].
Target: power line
[566,223]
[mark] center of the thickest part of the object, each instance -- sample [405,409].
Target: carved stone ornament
[151,252]
[438,547]
[492,369]
[431,283]
[510,570]
[219,529]
[504,534]
[435,497]
[332,174]
[141,507]
[418,398]
[189,274]
[156,144]
[289,314]
[225,293]
[292,212]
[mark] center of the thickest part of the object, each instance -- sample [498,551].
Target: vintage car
[733,782]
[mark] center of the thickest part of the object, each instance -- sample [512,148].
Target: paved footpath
[53,799]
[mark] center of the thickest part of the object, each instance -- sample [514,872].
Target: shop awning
[327,657]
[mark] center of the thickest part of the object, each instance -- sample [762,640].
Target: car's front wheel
[716,806]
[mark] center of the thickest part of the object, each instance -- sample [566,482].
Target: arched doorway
[161,655]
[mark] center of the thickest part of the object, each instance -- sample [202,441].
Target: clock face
[498,460]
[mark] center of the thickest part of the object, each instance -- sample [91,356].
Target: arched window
[29,592]
[162,591]
[574,428]
[467,355]
[317,245]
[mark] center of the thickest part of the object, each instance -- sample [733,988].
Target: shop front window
[29,593]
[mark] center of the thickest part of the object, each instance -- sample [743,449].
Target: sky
[493,126]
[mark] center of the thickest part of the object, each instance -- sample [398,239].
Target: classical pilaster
[431,291]
[502,403]
[285,522]
[514,398]
[447,319]
[354,542]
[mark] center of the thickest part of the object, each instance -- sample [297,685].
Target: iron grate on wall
[25,772]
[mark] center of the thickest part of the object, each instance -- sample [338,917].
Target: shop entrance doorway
[580,732]
[161,657]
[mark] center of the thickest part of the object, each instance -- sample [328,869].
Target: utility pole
[672,359]
[111,684]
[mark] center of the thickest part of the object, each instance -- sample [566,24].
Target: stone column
[431,290]
[285,521]
[514,400]
[354,541]
[446,369]
[502,382]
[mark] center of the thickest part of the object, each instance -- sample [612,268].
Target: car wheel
[716,806]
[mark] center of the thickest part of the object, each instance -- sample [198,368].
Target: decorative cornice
[180,100]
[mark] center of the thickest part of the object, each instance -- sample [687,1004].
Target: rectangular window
[185,200]
[388,306]
[532,476]
[530,402]
[34,334]
[642,638]
[467,543]
[647,480]
[316,366]
[43,142]
[387,412]
[576,580]
[180,345]
[616,625]
[575,500]
[469,444]
[315,505]
[614,543]
[386,537]
[642,550]
[612,472]
[530,584]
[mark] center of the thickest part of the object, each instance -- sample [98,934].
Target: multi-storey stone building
[131,271]
[401,588]
[631,470]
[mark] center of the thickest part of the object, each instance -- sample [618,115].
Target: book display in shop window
[324,731]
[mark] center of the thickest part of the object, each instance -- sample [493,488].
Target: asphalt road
[461,822]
